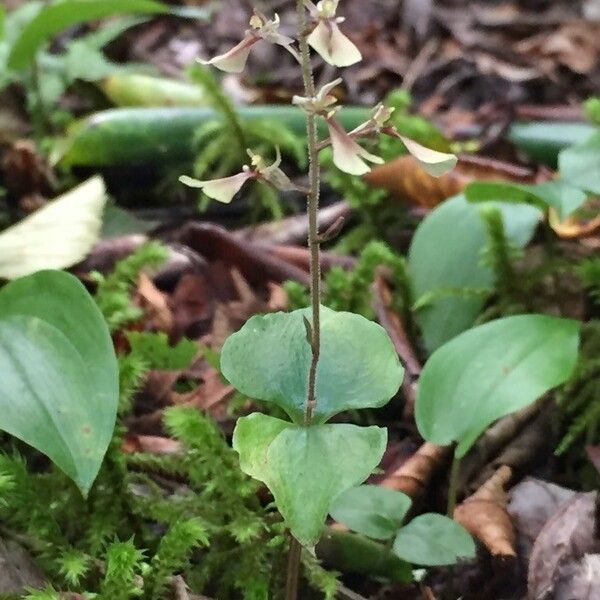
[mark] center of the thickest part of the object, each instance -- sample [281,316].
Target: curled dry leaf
[565,560]
[414,475]
[572,228]
[407,180]
[532,502]
[484,516]
[154,303]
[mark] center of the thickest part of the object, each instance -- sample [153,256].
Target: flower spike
[262,29]
[327,38]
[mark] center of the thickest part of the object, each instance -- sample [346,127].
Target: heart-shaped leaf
[269,359]
[446,254]
[372,510]
[433,540]
[59,372]
[306,467]
[491,371]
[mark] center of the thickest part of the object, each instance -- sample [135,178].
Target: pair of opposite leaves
[476,378]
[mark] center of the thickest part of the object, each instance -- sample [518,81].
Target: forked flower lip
[226,188]
[262,29]
[327,37]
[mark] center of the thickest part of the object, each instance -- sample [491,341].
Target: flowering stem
[313,209]
[293,569]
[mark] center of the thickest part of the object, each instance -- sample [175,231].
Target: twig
[344,592]
[392,323]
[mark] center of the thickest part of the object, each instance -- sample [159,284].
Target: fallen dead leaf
[484,516]
[158,315]
[406,180]
[150,444]
[532,502]
[415,473]
[565,561]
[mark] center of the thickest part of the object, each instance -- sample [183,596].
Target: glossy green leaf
[269,359]
[491,371]
[562,197]
[446,254]
[372,510]
[433,540]
[59,372]
[580,165]
[306,467]
[57,17]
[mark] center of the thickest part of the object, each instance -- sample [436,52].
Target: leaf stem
[453,485]
[313,210]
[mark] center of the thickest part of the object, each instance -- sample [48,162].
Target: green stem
[453,485]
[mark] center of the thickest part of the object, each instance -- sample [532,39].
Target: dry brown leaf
[532,503]
[574,45]
[406,180]
[484,516]
[571,228]
[18,571]
[154,303]
[565,564]
[414,475]
[150,444]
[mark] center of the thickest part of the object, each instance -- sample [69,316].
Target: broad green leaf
[433,540]
[306,467]
[269,359]
[446,254]
[580,165]
[53,19]
[59,372]
[56,236]
[491,371]
[562,197]
[372,510]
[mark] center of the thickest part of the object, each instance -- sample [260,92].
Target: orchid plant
[312,363]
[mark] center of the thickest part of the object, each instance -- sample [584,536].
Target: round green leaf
[372,510]
[269,359]
[446,253]
[491,371]
[58,368]
[433,540]
[306,467]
